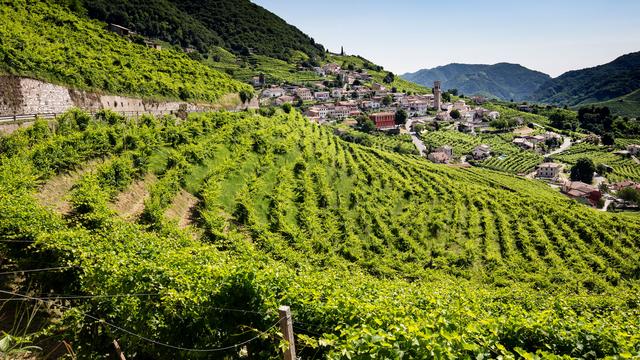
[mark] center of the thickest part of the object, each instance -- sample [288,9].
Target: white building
[481,152]
[273,92]
[304,94]
[322,95]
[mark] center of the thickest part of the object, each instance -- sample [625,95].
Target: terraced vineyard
[379,254]
[506,157]
[624,168]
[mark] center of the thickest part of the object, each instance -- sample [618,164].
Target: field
[379,254]
[627,105]
[505,156]
[43,40]
[624,168]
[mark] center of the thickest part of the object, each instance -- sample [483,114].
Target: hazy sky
[552,36]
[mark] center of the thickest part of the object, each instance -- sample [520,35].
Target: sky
[552,36]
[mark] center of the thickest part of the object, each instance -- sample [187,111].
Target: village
[355,96]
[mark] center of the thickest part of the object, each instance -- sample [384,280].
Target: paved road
[416,140]
[566,144]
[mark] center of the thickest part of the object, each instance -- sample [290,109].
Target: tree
[608,139]
[286,107]
[365,124]
[387,100]
[389,78]
[629,194]
[401,117]
[453,92]
[455,114]
[562,120]
[583,170]
[446,97]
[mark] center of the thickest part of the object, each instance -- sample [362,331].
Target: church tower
[437,95]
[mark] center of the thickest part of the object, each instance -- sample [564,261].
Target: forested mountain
[237,25]
[605,82]
[504,81]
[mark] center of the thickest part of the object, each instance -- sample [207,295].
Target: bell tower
[437,95]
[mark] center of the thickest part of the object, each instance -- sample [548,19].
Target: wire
[148,339]
[50,297]
[35,270]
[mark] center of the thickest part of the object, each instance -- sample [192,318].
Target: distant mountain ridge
[503,80]
[596,84]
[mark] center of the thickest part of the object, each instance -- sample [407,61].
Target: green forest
[231,24]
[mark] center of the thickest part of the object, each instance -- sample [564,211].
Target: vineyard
[506,156]
[379,254]
[623,167]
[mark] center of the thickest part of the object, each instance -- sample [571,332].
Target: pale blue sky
[552,36]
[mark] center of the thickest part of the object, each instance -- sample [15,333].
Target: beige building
[549,170]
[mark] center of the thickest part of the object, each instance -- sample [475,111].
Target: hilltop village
[506,143]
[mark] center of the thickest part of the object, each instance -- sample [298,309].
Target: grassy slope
[43,40]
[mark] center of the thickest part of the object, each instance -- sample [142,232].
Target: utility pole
[286,327]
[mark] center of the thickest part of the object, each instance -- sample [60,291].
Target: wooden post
[286,327]
[118,350]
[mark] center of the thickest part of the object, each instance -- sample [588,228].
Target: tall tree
[583,170]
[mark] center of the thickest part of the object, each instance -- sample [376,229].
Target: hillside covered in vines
[379,254]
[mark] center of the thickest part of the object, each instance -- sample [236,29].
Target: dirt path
[129,204]
[182,208]
[53,193]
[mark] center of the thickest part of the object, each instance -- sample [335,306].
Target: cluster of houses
[444,154]
[531,142]
[353,99]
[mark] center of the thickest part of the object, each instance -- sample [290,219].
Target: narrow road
[566,144]
[416,140]
[607,202]
[635,159]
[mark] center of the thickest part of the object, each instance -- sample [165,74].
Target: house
[481,152]
[336,93]
[622,185]
[322,110]
[445,149]
[523,143]
[304,94]
[153,45]
[633,149]
[493,115]
[370,105]
[274,92]
[331,68]
[320,71]
[439,157]
[378,87]
[258,81]
[525,108]
[551,135]
[460,105]
[549,170]
[285,99]
[467,127]
[322,95]
[384,121]
[535,139]
[120,30]
[581,191]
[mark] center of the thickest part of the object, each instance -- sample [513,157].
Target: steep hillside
[379,255]
[504,81]
[237,25]
[44,40]
[605,82]
[627,105]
